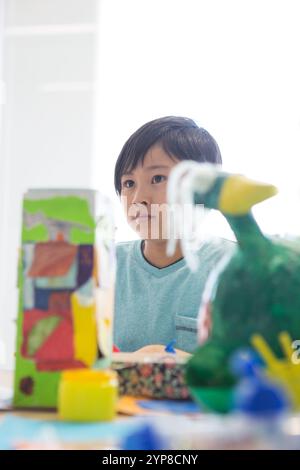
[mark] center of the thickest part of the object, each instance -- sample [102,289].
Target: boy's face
[144,194]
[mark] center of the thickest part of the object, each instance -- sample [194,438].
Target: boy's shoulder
[216,248]
[219,244]
[126,248]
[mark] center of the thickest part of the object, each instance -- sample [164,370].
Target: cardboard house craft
[66,290]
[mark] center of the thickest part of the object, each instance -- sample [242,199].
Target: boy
[157,297]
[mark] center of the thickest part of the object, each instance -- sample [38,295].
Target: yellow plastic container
[87,395]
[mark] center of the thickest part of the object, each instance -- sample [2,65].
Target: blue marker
[170,347]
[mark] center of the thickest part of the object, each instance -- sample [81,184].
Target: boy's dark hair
[180,137]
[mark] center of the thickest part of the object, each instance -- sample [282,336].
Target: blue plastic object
[256,395]
[144,438]
[170,347]
[246,363]
[172,406]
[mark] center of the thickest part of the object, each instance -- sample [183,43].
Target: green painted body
[257,292]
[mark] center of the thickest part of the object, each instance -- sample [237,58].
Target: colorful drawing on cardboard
[58,283]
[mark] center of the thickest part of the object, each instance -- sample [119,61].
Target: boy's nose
[141,197]
[137,210]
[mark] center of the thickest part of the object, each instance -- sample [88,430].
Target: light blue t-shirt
[157,305]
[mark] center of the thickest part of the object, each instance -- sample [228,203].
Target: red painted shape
[58,347]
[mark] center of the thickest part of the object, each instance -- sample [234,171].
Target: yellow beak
[239,194]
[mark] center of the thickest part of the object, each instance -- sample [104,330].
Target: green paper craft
[81,237]
[39,233]
[67,209]
[56,329]
[40,333]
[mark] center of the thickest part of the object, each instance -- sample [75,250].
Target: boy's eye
[127,184]
[158,178]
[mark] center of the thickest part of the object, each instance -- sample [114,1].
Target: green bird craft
[256,290]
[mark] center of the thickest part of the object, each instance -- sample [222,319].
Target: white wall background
[49,76]
[3,354]
[231,65]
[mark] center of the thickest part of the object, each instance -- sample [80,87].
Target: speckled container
[153,376]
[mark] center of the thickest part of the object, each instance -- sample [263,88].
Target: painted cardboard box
[66,290]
